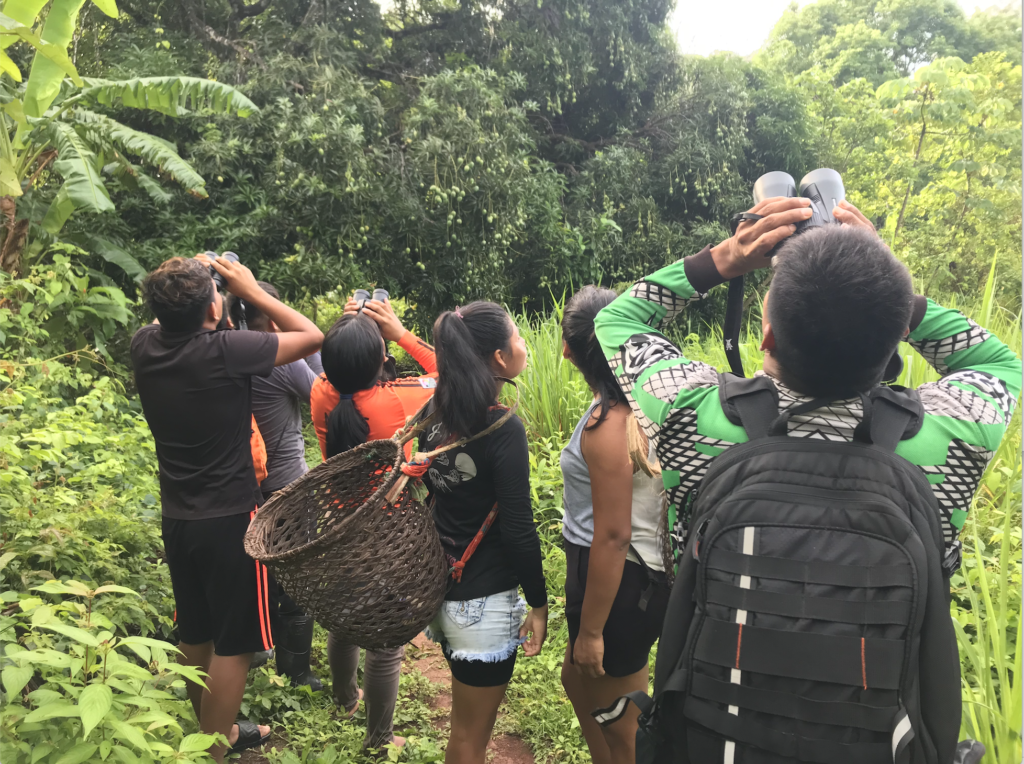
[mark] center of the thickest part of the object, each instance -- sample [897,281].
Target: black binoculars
[219,280]
[362,295]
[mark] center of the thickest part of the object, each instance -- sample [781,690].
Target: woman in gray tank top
[615,590]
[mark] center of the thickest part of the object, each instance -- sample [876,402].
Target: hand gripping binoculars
[824,187]
[219,280]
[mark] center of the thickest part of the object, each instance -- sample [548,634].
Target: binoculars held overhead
[231,257]
[824,187]
[362,295]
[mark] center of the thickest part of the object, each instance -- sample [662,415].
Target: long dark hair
[578,334]
[352,356]
[465,341]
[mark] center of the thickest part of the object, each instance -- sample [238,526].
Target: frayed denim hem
[497,656]
[433,637]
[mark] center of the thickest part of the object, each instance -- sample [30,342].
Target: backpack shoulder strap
[752,403]
[889,417]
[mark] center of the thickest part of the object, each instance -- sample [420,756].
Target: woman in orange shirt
[351,402]
[356,400]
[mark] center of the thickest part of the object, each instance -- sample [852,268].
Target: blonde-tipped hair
[639,449]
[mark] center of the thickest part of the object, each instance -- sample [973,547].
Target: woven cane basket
[370,571]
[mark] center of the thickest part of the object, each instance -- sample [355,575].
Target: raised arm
[966,412]
[420,350]
[651,370]
[392,330]
[298,338]
[966,354]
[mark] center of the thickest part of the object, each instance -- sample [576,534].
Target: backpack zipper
[737,452]
[742,450]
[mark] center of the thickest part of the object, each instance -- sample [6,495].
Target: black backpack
[809,620]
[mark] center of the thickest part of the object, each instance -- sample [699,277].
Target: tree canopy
[458,150]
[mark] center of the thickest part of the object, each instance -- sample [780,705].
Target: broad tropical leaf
[77,165]
[46,75]
[154,190]
[109,7]
[58,212]
[16,111]
[109,251]
[9,185]
[152,150]
[22,11]
[174,96]
[12,30]
[135,179]
[8,66]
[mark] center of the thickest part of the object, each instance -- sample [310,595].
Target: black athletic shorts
[629,632]
[220,592]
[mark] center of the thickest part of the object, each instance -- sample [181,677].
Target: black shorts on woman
[631,630]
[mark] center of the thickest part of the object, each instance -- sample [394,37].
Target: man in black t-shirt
[195,386]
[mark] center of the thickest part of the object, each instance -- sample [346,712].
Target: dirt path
[426,657]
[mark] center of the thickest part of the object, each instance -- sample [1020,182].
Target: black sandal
[248,737]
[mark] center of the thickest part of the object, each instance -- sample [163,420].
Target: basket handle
[406,434]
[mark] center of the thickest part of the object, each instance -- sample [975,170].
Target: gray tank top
[578,503]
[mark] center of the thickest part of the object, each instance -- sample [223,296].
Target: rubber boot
[292,650]
[260,659]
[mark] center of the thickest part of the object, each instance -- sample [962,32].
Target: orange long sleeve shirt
[386,407]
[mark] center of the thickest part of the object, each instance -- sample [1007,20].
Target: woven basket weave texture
[371,572]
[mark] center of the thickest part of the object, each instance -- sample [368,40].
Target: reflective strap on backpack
[614,712]
[902,734]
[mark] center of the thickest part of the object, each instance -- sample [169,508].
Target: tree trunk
[910,185]
[14,241]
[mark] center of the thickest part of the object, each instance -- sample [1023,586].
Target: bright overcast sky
[740,26]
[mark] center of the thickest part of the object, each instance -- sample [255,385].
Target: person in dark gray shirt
[277,406]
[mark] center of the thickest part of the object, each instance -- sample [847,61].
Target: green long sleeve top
[676,399]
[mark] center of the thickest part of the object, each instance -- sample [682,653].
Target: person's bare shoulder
[604,445]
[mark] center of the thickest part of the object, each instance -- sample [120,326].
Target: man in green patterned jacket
[839,305]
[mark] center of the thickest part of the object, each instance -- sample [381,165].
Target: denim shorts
[484,629]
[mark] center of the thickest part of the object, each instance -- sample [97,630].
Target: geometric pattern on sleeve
[943,399]
[936,352]
[666,298]
[666,384]
[961,474]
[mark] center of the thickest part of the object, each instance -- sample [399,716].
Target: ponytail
[465,340]
[346,427]
[352,357]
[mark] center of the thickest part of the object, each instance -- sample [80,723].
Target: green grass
[553,395]
[987,607]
